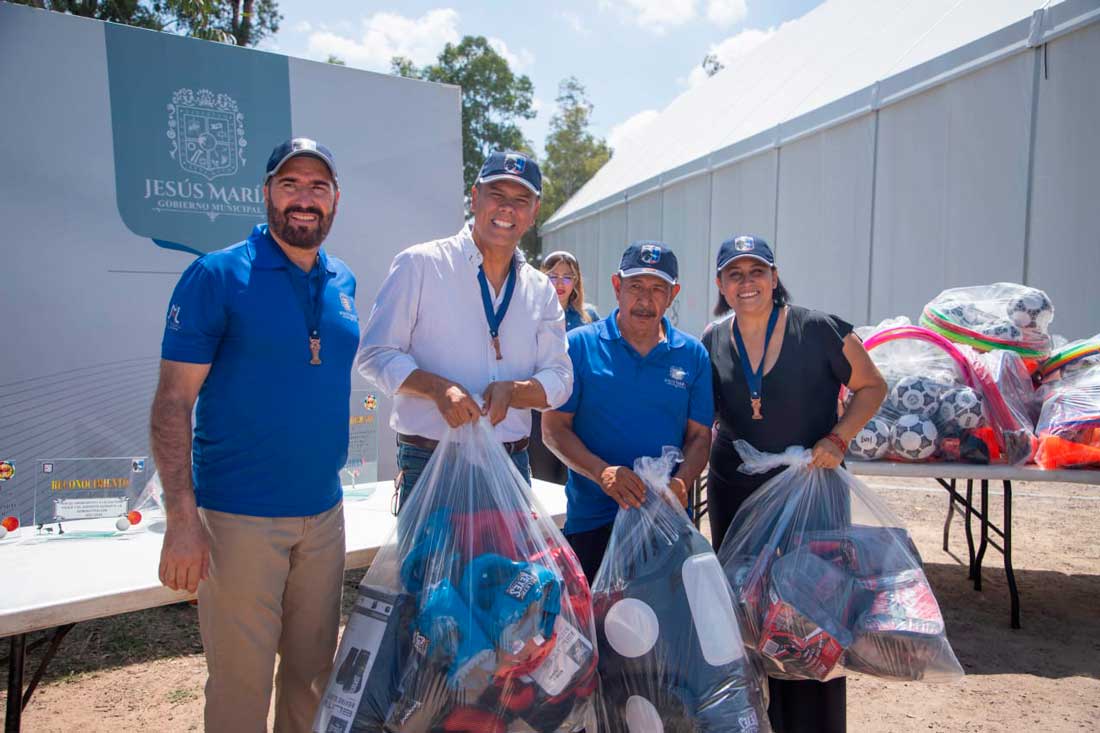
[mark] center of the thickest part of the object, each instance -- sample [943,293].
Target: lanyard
[495,317]
[312,305]
[755,379]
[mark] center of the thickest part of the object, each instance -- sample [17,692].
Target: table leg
[950,516]
[985,536]
[14,715]
[1010,576]
[969,526]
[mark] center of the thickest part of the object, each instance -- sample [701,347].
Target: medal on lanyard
[312,305]
[755,378]
[496,316]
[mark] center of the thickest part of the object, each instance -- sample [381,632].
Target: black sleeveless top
[800,392]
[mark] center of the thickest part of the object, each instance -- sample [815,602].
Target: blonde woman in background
[565,275]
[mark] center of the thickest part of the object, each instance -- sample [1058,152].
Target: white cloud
[630,128]
[303,26]
[537,105]
[575,22]
[386,35]
[726,12]
[731,50]
[654,15]
[517,62]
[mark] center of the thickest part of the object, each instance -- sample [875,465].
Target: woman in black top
[784,393]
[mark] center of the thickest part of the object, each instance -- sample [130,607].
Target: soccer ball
[914,437]
[1031,311]
[872,441]
[967,315]
[1002,331]
[960,409]
[915,395]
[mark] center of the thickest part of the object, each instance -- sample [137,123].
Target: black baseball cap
[505,165]
[744,246]
[299,146]
[649,258]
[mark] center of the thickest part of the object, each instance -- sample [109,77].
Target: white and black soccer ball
[1002,331]
[915,395]
[872,441]
[960,409]
[967,315]
[914,437]
[1031,311]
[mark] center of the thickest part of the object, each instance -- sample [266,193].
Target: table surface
[49,581]
[971,471]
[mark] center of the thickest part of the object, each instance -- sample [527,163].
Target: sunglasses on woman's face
[563,279]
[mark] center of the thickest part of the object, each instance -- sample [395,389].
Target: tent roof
[814,71]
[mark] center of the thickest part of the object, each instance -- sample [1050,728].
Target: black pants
[590,547]
[544,464]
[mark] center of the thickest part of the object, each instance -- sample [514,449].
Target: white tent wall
[613,241]
[1064,243]
[978,165]
[951,188]
[825,218]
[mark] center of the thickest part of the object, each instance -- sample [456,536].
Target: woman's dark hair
[780,296]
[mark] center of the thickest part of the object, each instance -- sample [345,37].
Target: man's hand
[679,490]
[826,454]
[498,398]
[456,405]
[185,555]
[622,485]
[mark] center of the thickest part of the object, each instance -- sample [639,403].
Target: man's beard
[302,236]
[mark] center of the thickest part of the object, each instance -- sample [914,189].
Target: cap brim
[311,153]
[739,255]
[635,271]
[511,177]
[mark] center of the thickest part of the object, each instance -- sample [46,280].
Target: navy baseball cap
[299,146]
[746,246]
[508,165]
[649,258]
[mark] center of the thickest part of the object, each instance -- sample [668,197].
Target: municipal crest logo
[206,131]
[515,164]
[7,470]
[677,373]
[370,403]
[651,254]
[744,244]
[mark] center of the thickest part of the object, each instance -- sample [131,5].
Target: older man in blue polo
[639,384]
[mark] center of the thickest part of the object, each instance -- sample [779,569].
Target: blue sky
[633,56]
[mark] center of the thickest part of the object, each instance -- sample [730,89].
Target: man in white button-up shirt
[432,341]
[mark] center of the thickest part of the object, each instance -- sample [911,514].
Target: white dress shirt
[429,315]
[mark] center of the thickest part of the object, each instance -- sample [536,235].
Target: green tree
[494,98]
[242,22]
[335,60]
[573,153]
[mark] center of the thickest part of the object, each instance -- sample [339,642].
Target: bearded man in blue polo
[639,384]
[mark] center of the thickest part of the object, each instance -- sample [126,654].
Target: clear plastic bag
[1069,425]
[474,616]
[671,655]
[997,316]
[827,580]
[1071,361]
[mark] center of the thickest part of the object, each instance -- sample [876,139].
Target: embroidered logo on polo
[744,244]
[651,254]
[348,306]
[676,377]
[174,317]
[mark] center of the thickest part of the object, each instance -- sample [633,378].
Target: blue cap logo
[744,244]
[651,254]
[515,164]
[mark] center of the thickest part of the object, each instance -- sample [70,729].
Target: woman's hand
[827,452]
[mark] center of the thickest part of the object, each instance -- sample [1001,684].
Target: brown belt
[428,444]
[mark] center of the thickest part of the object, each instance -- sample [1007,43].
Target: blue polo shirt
[626,406]
[271,430]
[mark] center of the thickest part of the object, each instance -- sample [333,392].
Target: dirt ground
[146,671]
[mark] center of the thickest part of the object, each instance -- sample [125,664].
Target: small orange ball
[10,523]
[134,517]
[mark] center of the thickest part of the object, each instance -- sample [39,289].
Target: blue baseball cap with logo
[649,258]
[744,246]
[299,146]
[508,165]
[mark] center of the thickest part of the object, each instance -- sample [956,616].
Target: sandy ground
[146,670]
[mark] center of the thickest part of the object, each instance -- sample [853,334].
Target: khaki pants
[274,587]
